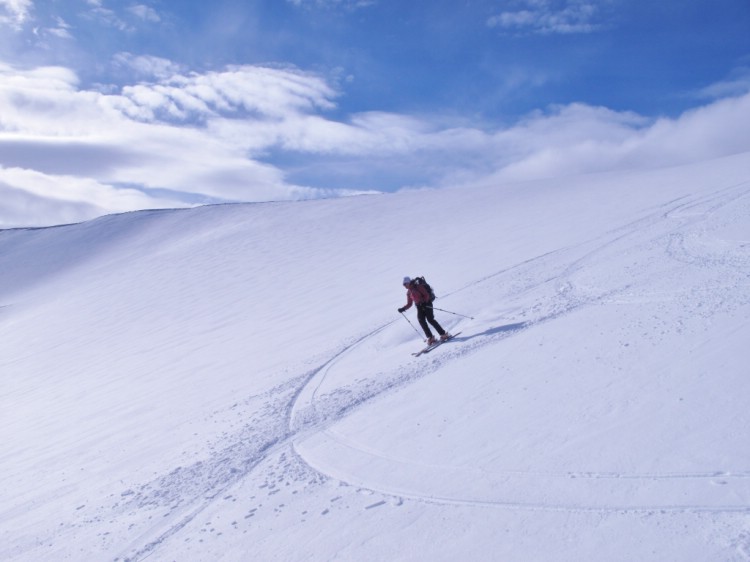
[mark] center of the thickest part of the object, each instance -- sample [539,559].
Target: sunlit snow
[234,382]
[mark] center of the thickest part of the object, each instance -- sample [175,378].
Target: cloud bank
[194,137]
[258,133]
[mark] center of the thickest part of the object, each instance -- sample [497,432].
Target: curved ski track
[187,491]
[309,411]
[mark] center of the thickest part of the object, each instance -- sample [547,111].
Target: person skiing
[417,295]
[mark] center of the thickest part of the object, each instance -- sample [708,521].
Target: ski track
[179,497]
[654,228]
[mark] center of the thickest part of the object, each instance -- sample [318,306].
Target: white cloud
[736,84]
[260,91]
[164,135]
[145,13]
[105,16]
[61,30]
[330,4]
[548,17]
[59,199]
[147,66]
[213,135]
[14,13]
[580,139]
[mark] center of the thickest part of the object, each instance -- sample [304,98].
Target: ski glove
[401,310]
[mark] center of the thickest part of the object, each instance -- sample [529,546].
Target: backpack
[424,288]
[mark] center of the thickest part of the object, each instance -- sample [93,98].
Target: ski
[434,345]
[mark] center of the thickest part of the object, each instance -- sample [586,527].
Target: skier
[417,295]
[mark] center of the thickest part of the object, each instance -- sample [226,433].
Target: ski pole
[410,324]
[454,313]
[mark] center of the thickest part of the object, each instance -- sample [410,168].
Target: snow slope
[234,382]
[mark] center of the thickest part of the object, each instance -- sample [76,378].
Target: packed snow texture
[234,382]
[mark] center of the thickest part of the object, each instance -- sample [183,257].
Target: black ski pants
[426,314]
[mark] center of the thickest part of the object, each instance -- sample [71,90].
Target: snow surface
[234,382]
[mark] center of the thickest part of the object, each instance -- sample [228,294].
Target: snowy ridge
[234,381]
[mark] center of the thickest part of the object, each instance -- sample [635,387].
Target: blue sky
[110,105]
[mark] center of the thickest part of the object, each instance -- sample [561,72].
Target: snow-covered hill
[235,383]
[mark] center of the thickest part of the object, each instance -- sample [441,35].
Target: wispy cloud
[329,4]
[106,16]
[61,30]
[32,31]
[737,83]
[14,13]
[145,13]
[147,66]
[550,17]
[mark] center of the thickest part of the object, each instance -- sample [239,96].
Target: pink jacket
[417,295]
